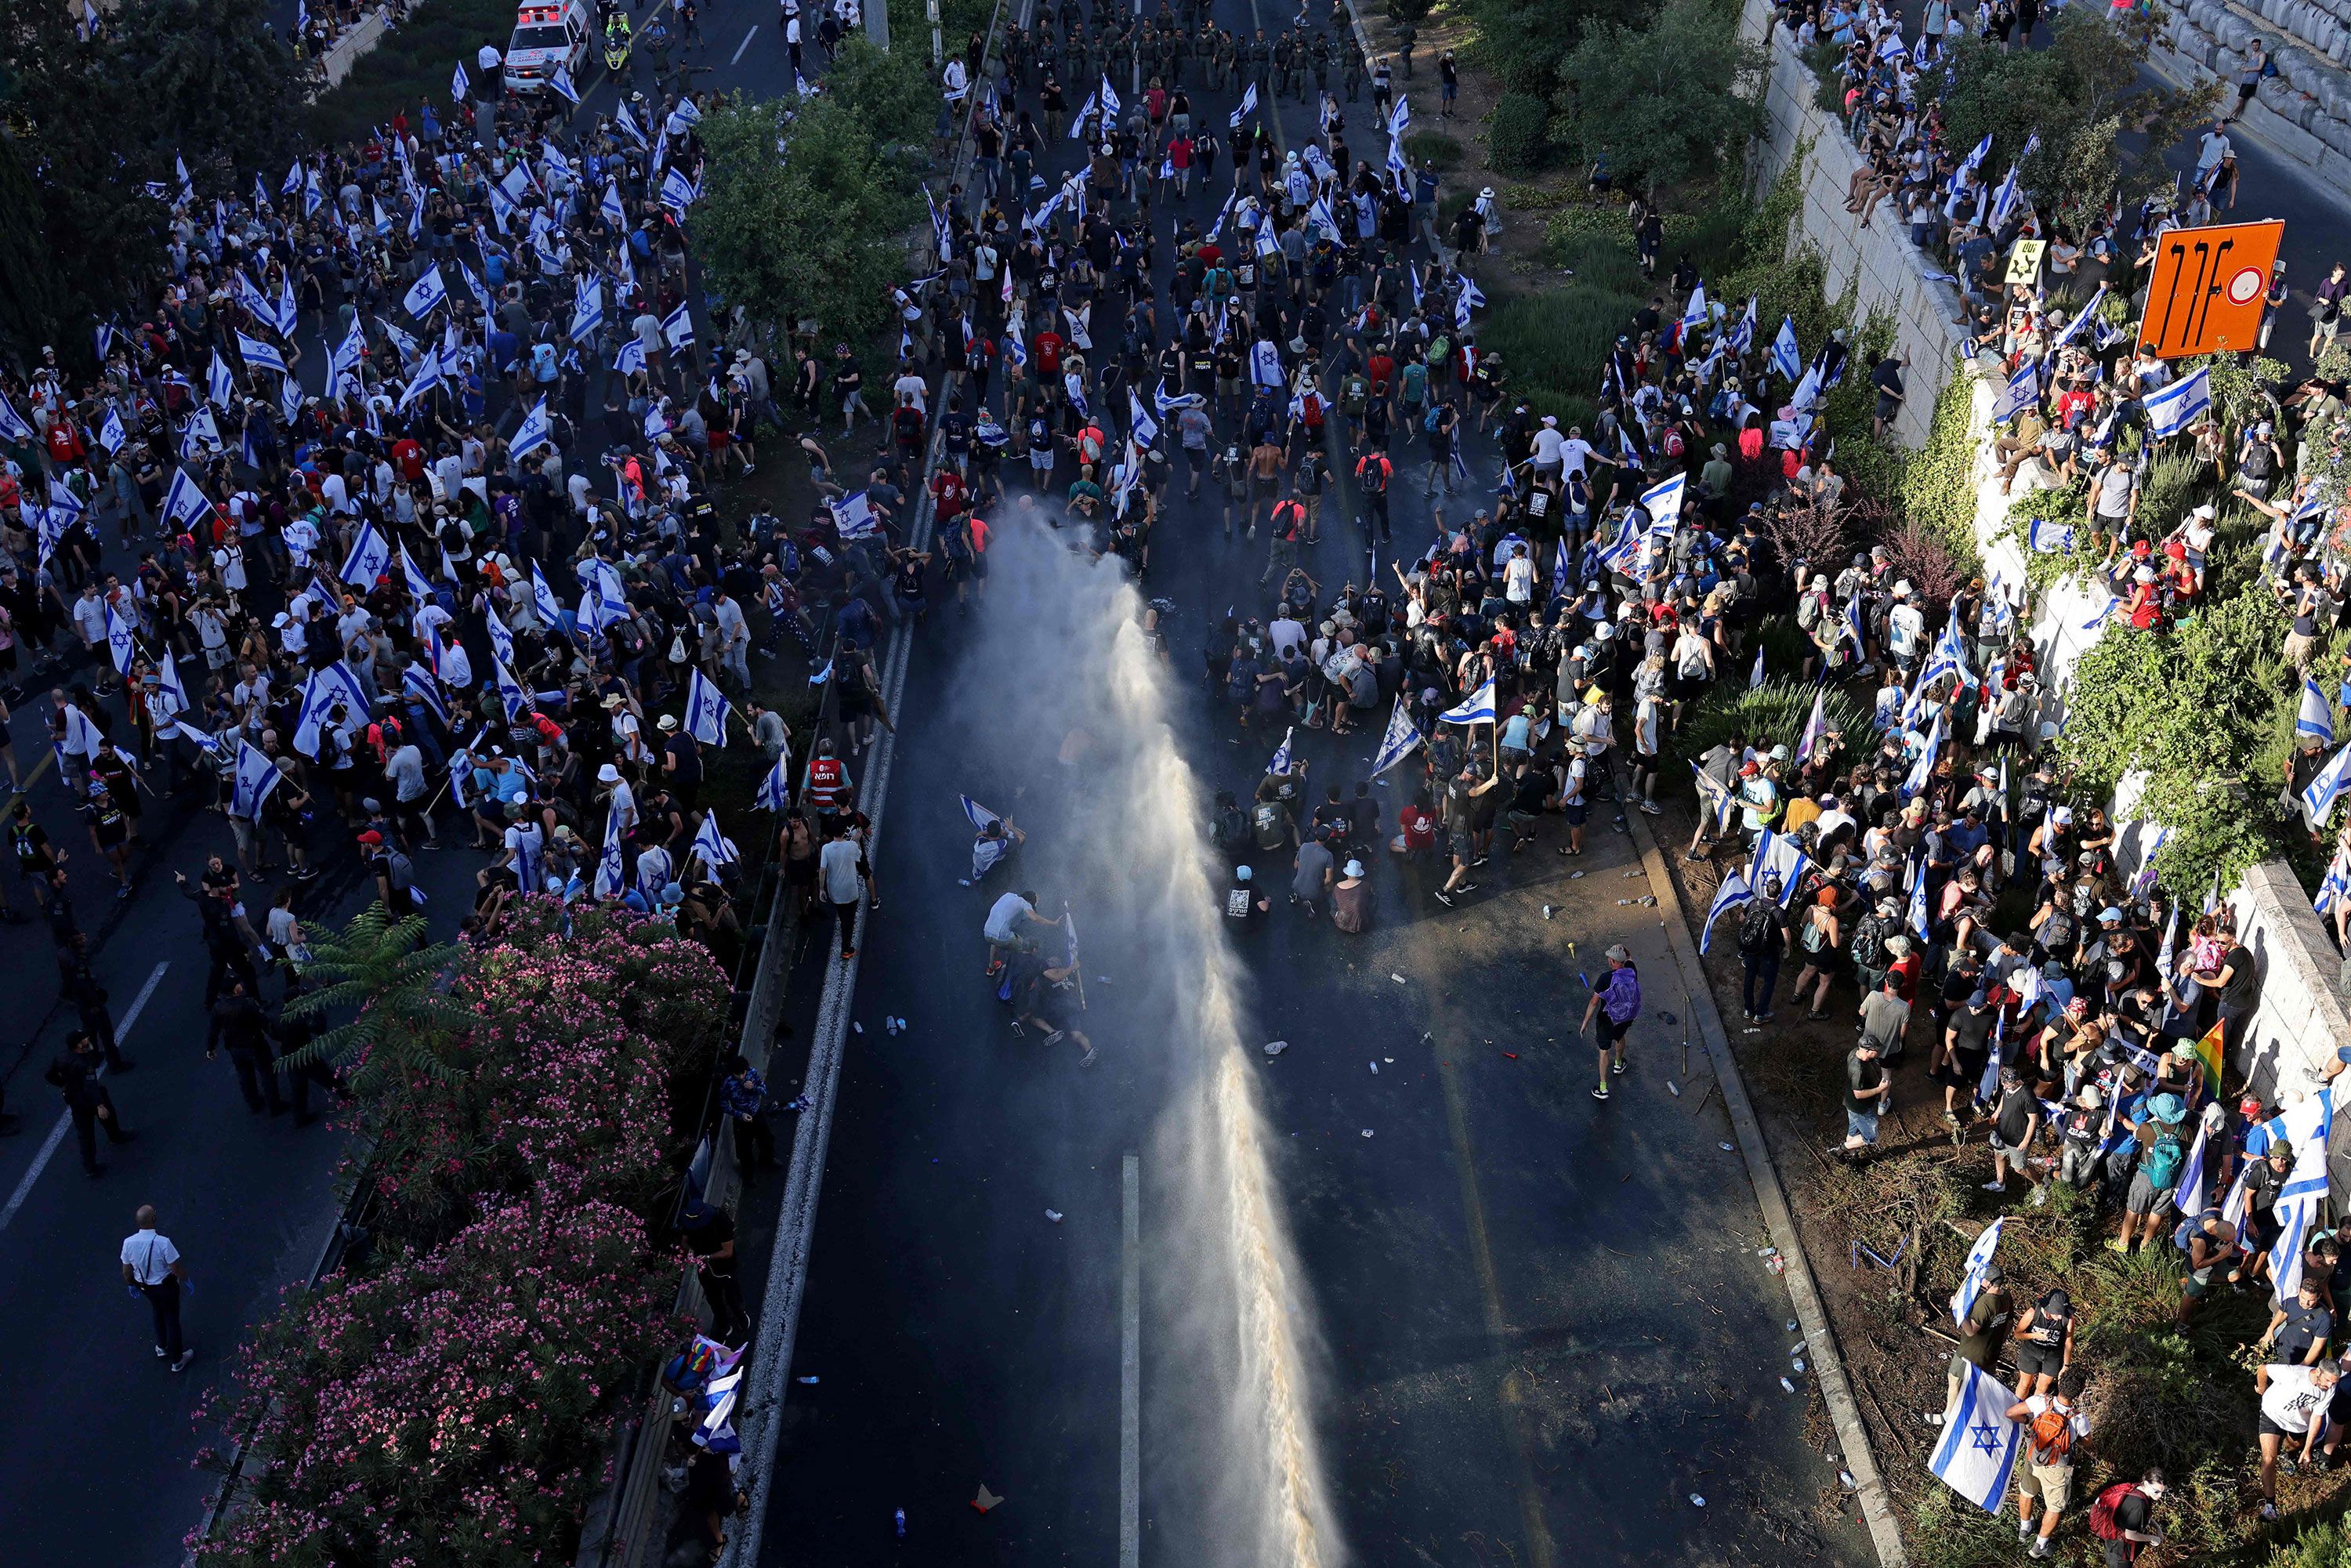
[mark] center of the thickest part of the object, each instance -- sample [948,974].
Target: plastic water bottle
[898,1521]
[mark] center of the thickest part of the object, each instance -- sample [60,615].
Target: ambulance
[546,38]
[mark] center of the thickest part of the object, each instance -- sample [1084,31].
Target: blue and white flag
[1978,1449]
[631,361]
[610,208]
[110,434]
[1816,729]
[980,818]
[2080,316]
[2318,799]
[1971,1284]
[168,682]
[543,599]
[350,353]
[516,701]
[419,682]
[457,83]
[370,557]
[1399,118]
[677,192]
[1778,855]
[537,430]
[1478,708]
[711,847]
[260,355]
[256,775]
[853,516]
[587,311]
[1924,769]
[220,381]
[426,295]
[1401,740]
[776,788]
[1755,675]
[119,640]
[2049,539]
[184,503]
[1743,336]
[1733,892]
[2317,713]
[677,328]
[561,83]
[502,643]
[1787,358]
[1663,501]
[2004,200]
[706,709]
[1248,108]
[13,428]
[611,871]
[2173,409]
[1280,763]
[2022,391]
[1109,99]
[2187,1192]
[1694,315]
[1974,160]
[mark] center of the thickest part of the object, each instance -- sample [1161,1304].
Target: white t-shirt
[2293,1398]
[2035,1407]
[149,1255]
[1004,919]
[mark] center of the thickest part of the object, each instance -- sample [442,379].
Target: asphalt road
[98,1466]
[1536,1326]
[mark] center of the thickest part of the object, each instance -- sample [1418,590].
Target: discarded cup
[1276,1046]
[1725,1148]
[898,1522]
[1696,1501]
[1367,1132]
[1673,1089]
[1799,1365]
[1788,1385]
[1375,1068]
[807,1380]
[1053,1216]
[1399,979]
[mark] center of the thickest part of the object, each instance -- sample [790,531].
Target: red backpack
[2101,1513]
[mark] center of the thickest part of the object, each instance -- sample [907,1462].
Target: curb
[1836,1391]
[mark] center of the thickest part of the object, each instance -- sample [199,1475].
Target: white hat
[608,774]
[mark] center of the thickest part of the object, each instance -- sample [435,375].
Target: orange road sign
[2206,296]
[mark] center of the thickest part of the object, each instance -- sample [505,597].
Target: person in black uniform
[74,1073]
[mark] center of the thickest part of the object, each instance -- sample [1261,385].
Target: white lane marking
[745,44]
[1130,1364]
[65,1118]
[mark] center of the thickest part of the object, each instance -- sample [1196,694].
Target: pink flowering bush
[450,1402]
[450,1406]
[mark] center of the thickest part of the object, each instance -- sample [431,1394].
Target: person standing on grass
[151,1268]
[1867,1093]
[1615,1003]
[2293,1410]
[2054,1432]
[1762,943]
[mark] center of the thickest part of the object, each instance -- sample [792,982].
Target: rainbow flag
[2208,1054]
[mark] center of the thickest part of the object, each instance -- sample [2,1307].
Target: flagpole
[1076,969]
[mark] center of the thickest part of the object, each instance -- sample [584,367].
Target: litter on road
[1276,1046]
[1053,1216]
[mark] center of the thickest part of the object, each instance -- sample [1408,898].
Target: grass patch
[1434,147]
[411,67]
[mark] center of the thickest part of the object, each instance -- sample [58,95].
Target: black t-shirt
[1972,1031]
[2243,981]
[687,756]
[2132,1510]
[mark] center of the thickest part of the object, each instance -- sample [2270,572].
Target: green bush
[1551,344]
[1518,135]
[412,68]
[1772,713]
[1937,490]
[1435,147]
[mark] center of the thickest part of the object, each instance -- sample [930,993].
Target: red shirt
[409,458]
[1049,354]
[1419,828]
[1383,370]
[65,445]
[946,489]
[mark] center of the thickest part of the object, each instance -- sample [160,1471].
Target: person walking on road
[841,867]
[1615,1003]
[151,1268]
[74,1073]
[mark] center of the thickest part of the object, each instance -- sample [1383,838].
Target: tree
[87,129]
[1664,103]
[890,90]
[802,213]
[406,1019]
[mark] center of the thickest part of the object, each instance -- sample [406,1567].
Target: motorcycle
[616,46]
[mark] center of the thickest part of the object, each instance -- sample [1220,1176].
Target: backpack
[2183,1235]
[1232,829]
[2101,1513]
[1755,927]
[1869,944]
[2052,1436]
[2162,1165]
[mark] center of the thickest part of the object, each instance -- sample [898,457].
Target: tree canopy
[1665,102]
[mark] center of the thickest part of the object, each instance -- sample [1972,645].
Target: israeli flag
[110,434]
[418,682]
[257,353]
[1399,118]
[420,587]
[611,871]
[502,643]
[2305,1126]
[610,208]
[2317,715]
[2188,1193]
[561,83]
[168,682]
[980,818]
[426,295]
[1778,855]
[2173,408]
[1755,675]
[2294,1219]
[1401,740]
[457,83]
[677,328]
[1980,1443]
[2022,391]
[1248,108]
[1925,767]
[2080,316]
[628,123]
[1280,763]
[120,640]
[776,788]
[705,710]
[1663,501]
[370,557]
[1108,98]
[1693,313]
[13,428]
[1743,336]
[201,433]
[321,693]
[1478,708]
[515,700]
[2047,538]
[2004,200]
[184,503]
[711,847]
[587,311]
[1979,1258]
[220,384]
[853,517]
[2336,882]
[1786,357]
[1735,892]
[289,312]
[2318,799]
[542,598]
[256,775]
[686,114]
[535,432]
[1975,159]
[677,192]
[1469,299]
